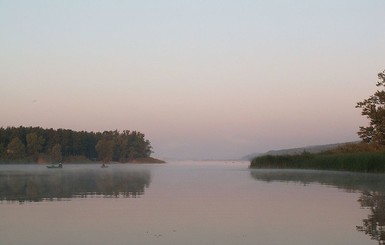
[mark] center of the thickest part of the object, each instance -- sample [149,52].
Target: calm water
[188,203]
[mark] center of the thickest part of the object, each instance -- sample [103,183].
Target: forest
[35,144]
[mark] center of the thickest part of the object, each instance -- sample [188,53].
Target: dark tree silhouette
[374,109]
[63,143]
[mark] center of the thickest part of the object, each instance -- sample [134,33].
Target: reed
[373,162]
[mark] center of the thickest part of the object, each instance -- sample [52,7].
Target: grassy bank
[373,162]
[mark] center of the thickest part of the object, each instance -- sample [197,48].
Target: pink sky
[218,79]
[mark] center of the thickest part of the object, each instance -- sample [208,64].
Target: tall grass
[373,162]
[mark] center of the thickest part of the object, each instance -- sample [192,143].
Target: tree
[34,143]
[105,149]
[56,154]
[2,150]
[120,146]
[374,109]
[16,148]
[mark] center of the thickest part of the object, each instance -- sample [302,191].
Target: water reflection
[374,225]
[57,185]
[371,187]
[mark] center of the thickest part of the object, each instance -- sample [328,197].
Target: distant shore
[147,160]
[368,162]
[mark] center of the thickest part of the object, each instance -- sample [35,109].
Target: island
[37,145]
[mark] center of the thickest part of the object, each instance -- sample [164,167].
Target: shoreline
[70,160]
[364,162]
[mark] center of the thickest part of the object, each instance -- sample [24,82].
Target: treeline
[34,143]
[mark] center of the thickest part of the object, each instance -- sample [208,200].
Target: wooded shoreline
[38,145]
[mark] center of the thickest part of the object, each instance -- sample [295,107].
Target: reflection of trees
[342,180]
[62,185]
[371,186]
[374,225]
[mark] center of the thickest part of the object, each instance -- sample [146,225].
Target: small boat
[59,165]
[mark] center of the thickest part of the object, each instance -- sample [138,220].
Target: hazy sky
[201,79]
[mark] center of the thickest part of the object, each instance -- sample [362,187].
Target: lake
[188,203]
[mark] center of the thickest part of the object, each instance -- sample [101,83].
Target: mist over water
[187,203]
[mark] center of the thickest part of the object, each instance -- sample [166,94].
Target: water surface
[188,203]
